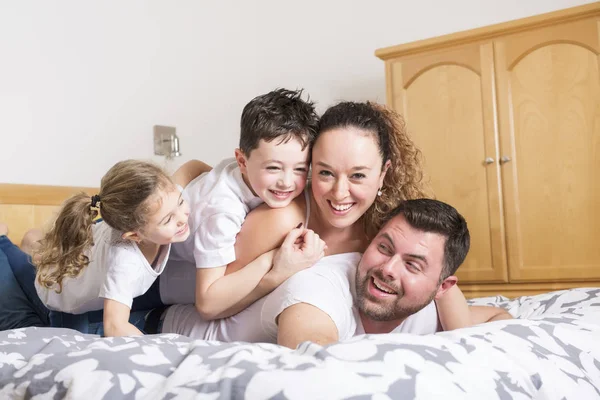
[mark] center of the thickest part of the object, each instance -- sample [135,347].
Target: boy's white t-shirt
[219,201]
[327,285]
[117,270]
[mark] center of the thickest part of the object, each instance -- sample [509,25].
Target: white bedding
[551,352]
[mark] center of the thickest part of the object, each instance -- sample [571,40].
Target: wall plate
[166,142]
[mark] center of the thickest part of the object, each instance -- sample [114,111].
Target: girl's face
[346,174]
[168,222]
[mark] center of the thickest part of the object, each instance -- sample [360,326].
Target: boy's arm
[189,171]
[263,230]
[300,250]
[219,295]
[116,320]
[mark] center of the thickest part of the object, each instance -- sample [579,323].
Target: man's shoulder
[338,269]
[327,286]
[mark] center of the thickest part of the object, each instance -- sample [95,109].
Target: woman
[363,165]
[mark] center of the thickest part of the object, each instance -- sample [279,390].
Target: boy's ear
[133,236]
[241,159]
[446,285]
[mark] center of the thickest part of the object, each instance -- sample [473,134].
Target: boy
[270,166]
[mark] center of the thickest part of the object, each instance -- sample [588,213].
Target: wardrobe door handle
[488,160]
[504,159]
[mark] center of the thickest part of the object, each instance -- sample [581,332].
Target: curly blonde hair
[404,178]
[124,201]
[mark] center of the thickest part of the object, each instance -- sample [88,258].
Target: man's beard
[386,311]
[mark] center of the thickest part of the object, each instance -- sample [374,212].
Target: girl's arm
[189,171]
[116,320]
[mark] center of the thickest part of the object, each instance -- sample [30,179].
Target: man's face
[399,273]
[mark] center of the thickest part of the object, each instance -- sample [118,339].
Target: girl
[85,266]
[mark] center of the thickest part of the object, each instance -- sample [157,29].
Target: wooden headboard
[23,207]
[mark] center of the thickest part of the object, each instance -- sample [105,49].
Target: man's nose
[392,267]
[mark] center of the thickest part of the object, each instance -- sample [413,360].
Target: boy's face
[276,172]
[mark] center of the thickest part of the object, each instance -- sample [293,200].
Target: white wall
[83,82]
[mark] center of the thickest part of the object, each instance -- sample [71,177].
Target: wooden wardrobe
[508,120]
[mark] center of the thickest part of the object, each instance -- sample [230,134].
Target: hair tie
[95,201]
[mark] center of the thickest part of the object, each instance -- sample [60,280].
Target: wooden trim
[492,31]
[39,194]
[520,289]
[492,149]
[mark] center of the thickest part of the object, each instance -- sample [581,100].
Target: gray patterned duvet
[553,352]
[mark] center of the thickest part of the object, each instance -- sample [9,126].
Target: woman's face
[346,174]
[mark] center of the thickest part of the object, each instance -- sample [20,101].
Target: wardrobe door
[447,99]
[549,120]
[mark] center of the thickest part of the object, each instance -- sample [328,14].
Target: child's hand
[300,250]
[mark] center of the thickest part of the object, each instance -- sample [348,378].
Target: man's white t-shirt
[219,202]
[117,270]
[328,285]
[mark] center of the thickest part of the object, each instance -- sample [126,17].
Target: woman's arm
[455,313]
[453,309]
[482,314]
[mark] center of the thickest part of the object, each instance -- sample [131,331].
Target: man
[410,263]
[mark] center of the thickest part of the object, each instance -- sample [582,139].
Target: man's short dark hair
[429,215]
[280,114]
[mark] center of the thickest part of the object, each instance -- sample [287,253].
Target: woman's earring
[379,192]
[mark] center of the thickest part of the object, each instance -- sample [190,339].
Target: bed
[552,351]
